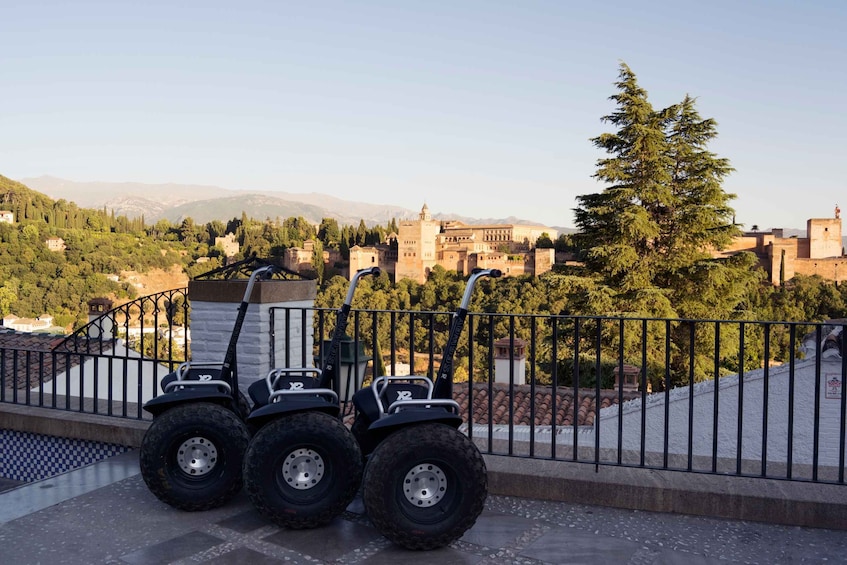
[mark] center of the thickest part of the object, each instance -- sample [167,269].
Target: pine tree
[620,226]
[318,260]
[648,236]
[698,221]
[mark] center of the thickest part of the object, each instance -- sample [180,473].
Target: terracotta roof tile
[26,359]
[495,399]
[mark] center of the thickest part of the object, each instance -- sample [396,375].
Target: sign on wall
[833,385]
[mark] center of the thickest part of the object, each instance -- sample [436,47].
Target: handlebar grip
[491,272]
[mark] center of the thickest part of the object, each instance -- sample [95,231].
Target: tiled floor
[106,515]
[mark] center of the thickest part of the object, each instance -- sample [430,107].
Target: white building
[120,374]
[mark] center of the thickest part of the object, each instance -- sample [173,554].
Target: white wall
[752,410]
[753,425]
[115,365]
[211,325]
[211,328]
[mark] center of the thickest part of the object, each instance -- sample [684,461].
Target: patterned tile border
[28,457]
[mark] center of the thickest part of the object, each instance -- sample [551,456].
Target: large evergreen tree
[699,221]
[647,237]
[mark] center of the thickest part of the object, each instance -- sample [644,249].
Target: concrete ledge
[738,498]
[74,425]
[264,292]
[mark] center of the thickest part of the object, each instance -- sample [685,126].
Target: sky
[476,108]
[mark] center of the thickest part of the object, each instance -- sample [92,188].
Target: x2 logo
[204,377]
[404,395]
[296,385]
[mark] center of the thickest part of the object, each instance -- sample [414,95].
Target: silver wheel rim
[303,469]
[197,456]
[425,485]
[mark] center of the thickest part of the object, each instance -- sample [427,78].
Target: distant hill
[96,194]
[205,203]
[256,206]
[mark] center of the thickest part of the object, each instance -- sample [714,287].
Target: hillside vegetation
[38,281]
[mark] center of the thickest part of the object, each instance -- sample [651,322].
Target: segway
[191,454]
[303,467]
[425,481]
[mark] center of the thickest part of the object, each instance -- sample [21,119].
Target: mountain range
[204,203]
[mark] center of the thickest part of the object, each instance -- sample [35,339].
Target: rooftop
[559,408]
[34,351]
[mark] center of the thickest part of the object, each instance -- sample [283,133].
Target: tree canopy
[647,237]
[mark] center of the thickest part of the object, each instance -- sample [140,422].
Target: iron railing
[743,398]
[155,325]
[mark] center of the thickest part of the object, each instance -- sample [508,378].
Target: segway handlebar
[227,371]
[262,272]
[375,271]
[444,379]
[331,358]
[475,275]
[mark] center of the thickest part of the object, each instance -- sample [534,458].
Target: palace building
[421,244]
[821,252]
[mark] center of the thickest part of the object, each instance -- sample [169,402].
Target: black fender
[287,406]
[412,416]
[377,431]
[197,394]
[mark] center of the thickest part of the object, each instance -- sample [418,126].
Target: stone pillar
[214,307]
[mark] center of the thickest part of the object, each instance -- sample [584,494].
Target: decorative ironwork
[247,266]
[155,326]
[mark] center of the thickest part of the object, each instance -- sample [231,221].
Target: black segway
[425,481]
[191,454]
[303,467]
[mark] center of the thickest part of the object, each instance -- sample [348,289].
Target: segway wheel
[191,456]
[360,431]
[302,470]
[424,486]
[242,406]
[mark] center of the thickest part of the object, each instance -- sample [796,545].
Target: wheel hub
[425,485]
[303,469]
[197,456]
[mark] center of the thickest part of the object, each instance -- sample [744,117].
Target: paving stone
[172,549]
[564,545]
[444,556]
[497,530]
[244,556]
[328,543]
[244,522]
[109,517]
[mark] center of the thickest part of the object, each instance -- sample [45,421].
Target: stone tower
[824,236]
[416,247]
